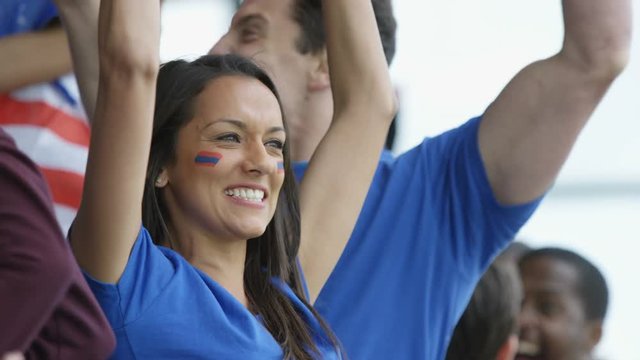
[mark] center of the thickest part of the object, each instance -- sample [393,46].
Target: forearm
[597,35]
[357,66]
[80,20]
[32,58]
[108,221]
[364,105]
[528,132]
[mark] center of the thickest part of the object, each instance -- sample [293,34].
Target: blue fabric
[429,228]
[18,16]
[164,308]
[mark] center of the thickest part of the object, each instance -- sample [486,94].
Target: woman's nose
[258,161]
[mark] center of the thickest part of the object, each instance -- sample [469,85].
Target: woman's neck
[222,260]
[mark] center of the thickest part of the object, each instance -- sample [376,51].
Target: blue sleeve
[147,273]
[478,226]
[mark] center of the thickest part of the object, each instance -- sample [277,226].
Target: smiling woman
[236,124]
[190,227]
[212,185]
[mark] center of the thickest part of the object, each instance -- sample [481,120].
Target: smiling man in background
[565,303]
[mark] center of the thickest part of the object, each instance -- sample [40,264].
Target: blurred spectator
[565,303]
[46,309]
[512,253]
[488,328]
[39,102]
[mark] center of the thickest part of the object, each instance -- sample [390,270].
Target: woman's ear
[162,179]
[319,74]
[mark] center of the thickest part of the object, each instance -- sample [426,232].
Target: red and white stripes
[55,135]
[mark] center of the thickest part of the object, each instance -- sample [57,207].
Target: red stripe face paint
[281,167]
[207,158]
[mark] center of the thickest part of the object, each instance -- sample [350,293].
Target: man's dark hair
[591,286]
[308,15]
[490,317]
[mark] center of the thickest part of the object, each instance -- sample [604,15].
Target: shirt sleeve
[147,273]
[478,226]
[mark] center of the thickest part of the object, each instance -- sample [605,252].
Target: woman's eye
[276,144]
[229,138]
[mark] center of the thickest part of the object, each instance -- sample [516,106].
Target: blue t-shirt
[429,228]
[165,308]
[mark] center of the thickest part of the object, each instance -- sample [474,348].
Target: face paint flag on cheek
[207,158]
[280,167]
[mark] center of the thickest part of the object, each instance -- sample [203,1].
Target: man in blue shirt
[437,215]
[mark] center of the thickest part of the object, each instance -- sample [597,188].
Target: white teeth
[528,348]
[253,195]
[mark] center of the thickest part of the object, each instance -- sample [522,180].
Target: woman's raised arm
[343,165]
[110,214]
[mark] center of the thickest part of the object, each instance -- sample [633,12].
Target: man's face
[265,31]
[553,325]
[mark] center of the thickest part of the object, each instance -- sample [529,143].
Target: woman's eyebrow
[241,125]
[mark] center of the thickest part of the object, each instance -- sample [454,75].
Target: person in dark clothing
[47,311]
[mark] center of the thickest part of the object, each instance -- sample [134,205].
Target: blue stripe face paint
[207,158]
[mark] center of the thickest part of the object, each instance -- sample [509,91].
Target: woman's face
[228,167]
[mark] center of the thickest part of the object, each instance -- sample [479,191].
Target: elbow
[618,62]
[602,64]
[128,70]
[393,106]
[387,109]
[608,67]
[374,101]
[385,105]
[130,63]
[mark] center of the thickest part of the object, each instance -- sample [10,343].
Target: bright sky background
[453,59]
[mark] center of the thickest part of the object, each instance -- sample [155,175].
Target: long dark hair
[269,256]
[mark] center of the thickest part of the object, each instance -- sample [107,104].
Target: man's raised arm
[527,133]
